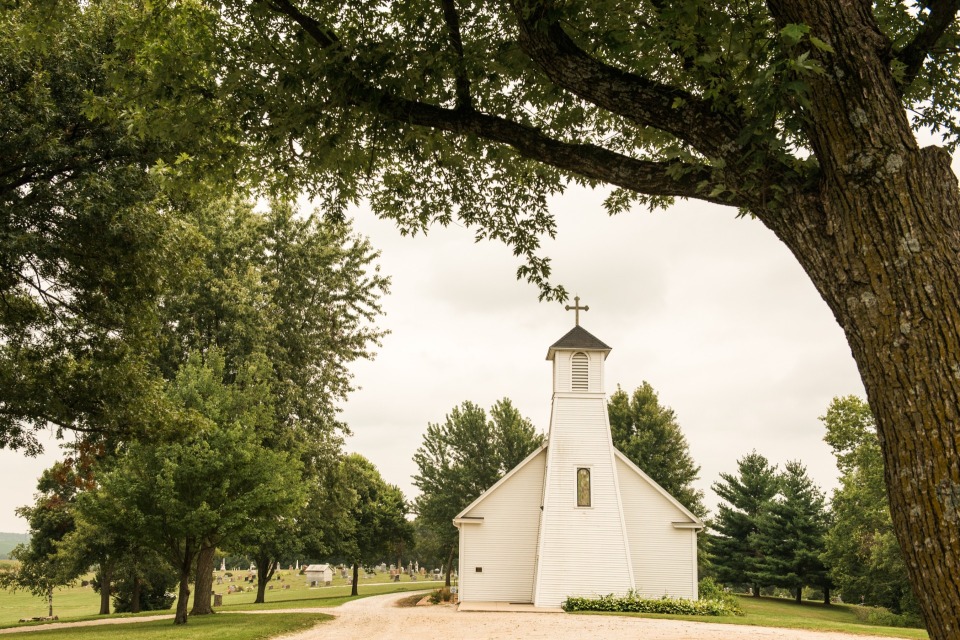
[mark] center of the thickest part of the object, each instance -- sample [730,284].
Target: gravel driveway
[376,618]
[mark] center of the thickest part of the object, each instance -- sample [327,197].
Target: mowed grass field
[76,602]
[813,616]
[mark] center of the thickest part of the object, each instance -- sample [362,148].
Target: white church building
[576,517]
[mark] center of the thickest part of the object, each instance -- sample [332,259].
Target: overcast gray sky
[709,308]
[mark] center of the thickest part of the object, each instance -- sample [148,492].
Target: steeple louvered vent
[581,372]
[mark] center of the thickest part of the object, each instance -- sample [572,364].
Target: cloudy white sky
[709,308]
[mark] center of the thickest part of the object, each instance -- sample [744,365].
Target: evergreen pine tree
[746,497]
[790,535]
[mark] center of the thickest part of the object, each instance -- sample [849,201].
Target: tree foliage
[650,436]
[790,535]
[746,496]
[217,480]
[865,561]
[51,519]
[464,456]
[377,515]
[86,236]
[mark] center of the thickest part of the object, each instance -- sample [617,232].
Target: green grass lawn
[226,625]
[83,603]
[775,612]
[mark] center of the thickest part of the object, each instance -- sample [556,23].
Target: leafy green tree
[802,114]
[649,435]
[377,515]
[214,482]
[790,536]
[305,292]
[87,239]
[746,497]
[865,561]
[461,458]
[40,567]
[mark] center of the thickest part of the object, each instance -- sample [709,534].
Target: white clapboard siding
[504,543]
[664,557]
[583,551]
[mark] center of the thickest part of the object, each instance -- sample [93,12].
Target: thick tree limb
[320,34]
[942,15]
[639,99]
[452,18]
[669,179]
[590,161]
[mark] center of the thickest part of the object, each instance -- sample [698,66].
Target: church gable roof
[577,338]
[486,494]
[694,520]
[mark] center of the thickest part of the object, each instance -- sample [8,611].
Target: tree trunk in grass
[135,594]
[826,595]
[203,587]
[266,568]
[799,597]
[449,565]
[106,577]
[186,564]
[356,578]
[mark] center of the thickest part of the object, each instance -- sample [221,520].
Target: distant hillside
[9,540]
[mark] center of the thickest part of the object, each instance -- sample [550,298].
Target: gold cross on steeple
[576,308]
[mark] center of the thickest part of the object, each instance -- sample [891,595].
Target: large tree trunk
[106,578]
[356,579]
[266,567]
[880,238]
[135,594]
[186,564]
[203,587]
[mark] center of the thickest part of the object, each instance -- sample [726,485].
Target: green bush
[441,595]
[883,617]
[632,603]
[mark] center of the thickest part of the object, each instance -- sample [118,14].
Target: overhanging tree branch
[943,13]
[452,18]
[669,178]
[666,178]
[639,99]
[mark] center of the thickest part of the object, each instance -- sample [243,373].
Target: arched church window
[583,487]
[581,372]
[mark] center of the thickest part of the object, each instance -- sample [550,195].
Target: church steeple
[578,362]
[581,493]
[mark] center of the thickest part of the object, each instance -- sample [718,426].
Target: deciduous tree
[377,515]
[214,482]
[649,434]
[866,563]
[461,458]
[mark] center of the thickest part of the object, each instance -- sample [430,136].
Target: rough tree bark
[880,240]
[203,585]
